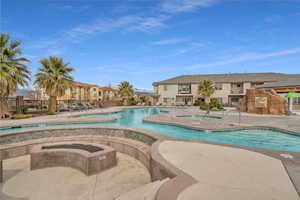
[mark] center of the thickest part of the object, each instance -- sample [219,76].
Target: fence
[31,104]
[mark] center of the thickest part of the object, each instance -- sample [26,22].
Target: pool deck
[218,171]
[228,121]
[223,172]
[61,183]
[68,117]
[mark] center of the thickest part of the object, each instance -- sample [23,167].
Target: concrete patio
[228,173]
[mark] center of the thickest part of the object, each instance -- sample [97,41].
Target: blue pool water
[253,138]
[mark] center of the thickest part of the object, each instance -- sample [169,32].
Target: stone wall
[274,104]
[87,162]
[133,142]
[146,137]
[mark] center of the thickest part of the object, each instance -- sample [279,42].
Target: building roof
[286,83]
[226,78]
[143,92]
[108,89]
[83,84]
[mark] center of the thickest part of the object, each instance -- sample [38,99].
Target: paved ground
[61,183]
[230,120]
[229,173]
[64,117]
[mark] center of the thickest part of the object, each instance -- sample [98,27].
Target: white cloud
[74,8]
[175,6]
[125,23]
[246,57]
[168,41]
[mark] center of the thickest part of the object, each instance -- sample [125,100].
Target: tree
[13,71]
[206,89]
[54,77]
[125,90]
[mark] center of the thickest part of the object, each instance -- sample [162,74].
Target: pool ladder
[225,114]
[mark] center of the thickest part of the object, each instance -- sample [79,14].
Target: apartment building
[79,92]
[229,88]
[84,93]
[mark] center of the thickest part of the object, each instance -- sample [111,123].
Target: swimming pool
[134,118]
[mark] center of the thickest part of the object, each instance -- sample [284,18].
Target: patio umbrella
[290,96]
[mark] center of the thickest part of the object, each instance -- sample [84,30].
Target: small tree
[206,89]
[54,77]
[126,90]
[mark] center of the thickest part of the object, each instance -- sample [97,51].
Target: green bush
[204,107]
[51,113]
[24,109]
[215,104]
[132,101]
[21,116]
[198,103]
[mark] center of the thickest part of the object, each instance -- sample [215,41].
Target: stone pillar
[1,171]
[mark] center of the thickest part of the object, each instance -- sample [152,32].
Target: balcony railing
[184,91]
[237,91]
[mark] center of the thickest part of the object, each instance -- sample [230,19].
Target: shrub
[21,116]
[24,109]
[204,107]
[198,103]
[132,101]
[51,113]
[215,104]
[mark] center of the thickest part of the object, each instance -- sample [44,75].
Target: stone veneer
[275,104]
[133,142]
[87,162]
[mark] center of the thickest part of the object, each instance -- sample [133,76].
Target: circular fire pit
[87,157]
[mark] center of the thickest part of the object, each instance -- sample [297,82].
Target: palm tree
[125,90]
[13,72]
[54,77]
[206,89]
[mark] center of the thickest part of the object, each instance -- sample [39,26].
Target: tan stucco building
[84,93]
[229,88]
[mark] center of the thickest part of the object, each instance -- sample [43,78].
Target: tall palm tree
[206,89]
[13,72]
[125,90]
[54,77]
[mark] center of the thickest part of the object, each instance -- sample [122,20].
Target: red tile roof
[83,84]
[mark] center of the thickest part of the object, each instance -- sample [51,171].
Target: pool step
[145,192]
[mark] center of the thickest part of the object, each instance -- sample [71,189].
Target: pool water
[253,138]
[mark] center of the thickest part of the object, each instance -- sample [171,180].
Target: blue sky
[142,41]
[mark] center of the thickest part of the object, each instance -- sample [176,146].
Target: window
[296,101]
[167,100]
[218,86]
[94,89]
[165,87]
[184,89]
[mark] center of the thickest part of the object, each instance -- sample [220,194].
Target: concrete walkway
[229,120]
[228,173]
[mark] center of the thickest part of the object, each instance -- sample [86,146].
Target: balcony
[236,91]
[184,89]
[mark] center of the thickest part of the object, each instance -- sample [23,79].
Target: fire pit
[87,157]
